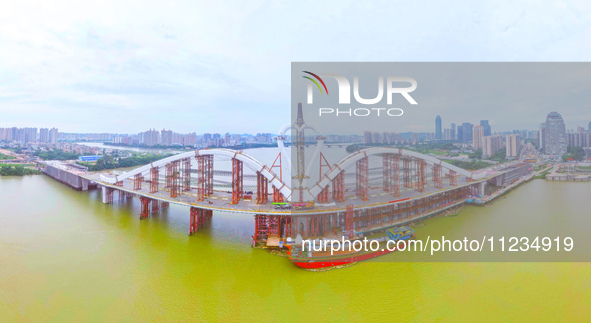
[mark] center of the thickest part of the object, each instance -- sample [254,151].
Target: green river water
[65,256]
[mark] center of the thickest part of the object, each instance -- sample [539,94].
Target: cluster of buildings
[167,138]
[393,138]
[29,135]
[552,137]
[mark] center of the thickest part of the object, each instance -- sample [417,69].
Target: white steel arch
[248,160]
[353,158]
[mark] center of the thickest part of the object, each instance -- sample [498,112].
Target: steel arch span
[355,158]
[246,159]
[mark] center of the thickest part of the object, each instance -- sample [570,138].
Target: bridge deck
[221,200]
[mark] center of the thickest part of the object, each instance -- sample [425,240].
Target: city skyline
[79,68]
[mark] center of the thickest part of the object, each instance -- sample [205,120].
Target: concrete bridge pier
[104,194]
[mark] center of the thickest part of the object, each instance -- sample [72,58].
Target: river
[67,256]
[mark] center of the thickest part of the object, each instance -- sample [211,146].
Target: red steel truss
[278,165]
[287,226]
[155,206]
[437,171]
[261,227]
[173,177]
[168,175]
[391,173]
[205,176]
[349,219]
[274,225]
[406,171]
[362,178]
[145,211]
[137,182]
[421,164]
[186,174]
[237,180]
[194,220]
[262,189]
[277,196]
[110,195]
[338,187]
[119,183]
[198,217]
[323,196]
[453,179]
[154,179]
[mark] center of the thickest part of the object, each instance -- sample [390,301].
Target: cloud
[197,66]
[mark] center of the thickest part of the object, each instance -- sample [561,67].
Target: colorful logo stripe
[319,79]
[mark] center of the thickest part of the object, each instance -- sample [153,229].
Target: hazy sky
[224,66]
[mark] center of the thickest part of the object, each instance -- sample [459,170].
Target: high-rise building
[542,136]
[367,137]
[376,137]
[438,135]
[53,136]
[491,145]
[166,137]
[447,134]
[555,135]
[43,135]
[466,131]
[453,132]
[589,127]
[513,143]
[477,135]
[151,137]
[486,125]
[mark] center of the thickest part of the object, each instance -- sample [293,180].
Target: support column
[453,179]
[362,178]
[154,179]
[277,196]
[406,169]
[338,187]
[186,174]
[137,182]
[437,170]
[205,176]
[261,227]
[237,180]
[262,189]
[420,174]
[349,218]
[145,209]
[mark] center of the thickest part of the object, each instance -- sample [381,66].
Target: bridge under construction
[369,190]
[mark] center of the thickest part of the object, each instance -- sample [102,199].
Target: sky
[224,66]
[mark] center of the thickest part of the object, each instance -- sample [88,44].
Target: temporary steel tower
[300,147]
